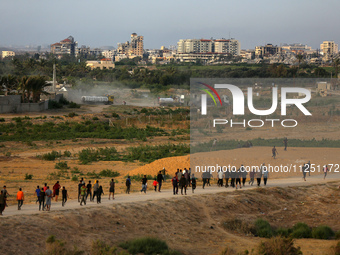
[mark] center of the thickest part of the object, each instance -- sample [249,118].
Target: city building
[219,46]
[134,48]
[267,50]
[105,63]
[6,54]
[67,46]
[328,49]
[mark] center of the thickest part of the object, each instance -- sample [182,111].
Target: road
[30,209]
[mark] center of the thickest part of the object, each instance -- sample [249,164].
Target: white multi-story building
[223,46]
[328,49]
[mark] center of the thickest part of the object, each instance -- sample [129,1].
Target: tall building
[219,46]
[328,49]
[267,50]
[66,46]
[133,48]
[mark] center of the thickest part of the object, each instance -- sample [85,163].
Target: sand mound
[171,165]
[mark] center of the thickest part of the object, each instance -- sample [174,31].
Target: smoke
[137,97]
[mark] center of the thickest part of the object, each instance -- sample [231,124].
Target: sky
[163,23]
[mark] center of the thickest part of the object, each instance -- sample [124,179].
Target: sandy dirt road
[72,204]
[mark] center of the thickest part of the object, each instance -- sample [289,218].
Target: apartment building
[66,46]
[6,54]
[267,50]
[133,48]
[219,46]
[328,49]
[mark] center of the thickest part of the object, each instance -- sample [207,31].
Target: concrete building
[105,63]
[219,46]
[134,48]
[66,46]
[328,49]
[6,54]
[267,50]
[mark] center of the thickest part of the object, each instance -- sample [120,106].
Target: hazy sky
[108,22]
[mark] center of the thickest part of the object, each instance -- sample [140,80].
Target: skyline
[107,23]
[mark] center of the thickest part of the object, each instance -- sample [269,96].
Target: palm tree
[299,58]
[32,87]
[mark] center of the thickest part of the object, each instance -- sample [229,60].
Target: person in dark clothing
[89,191]
[238,176]
[144,184]
[204,178]
[37,192]
[285,142]
[193,183]
[128,185]
[99,194]
[174,181]
[274,151]
[183,184]
[64,195]
[42,199]
[112,189]
[208,178]
[227,176]
[243,174]
[160,178]
[232,176]
[95,190]
[80,184]
[2,202]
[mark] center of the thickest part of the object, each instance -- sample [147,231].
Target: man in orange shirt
[20,198]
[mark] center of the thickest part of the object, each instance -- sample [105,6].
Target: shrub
[301,230]
[263,228]
[337,235]
[61,165]
[115,115]
[100,248]
[146,245]
[238,225]
[95,118]
[108,173]
[72,114]
[73,105]
[322,232]
[2,119]
[67,154]
[51,155]
[28,176]
[278,245]
[74,178]
[284,232]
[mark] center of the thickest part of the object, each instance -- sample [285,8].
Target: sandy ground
[194,223]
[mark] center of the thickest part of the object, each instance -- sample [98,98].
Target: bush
[72,114]
[2,119]
[337,235]
[301,230]
[95,118]
[61,165]
[74,178]
[51,155]
[28,176]
[108,173]
[322,232]
[146,245]
[238,225]
[284,232]
[115,115]
[263,228]
[67,154]
[278,245]
[101,248]
[73,105]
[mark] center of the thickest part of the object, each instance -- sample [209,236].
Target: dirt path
[29,209]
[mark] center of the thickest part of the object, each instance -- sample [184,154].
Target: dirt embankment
[192,225]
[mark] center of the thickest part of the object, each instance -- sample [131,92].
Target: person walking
[154,184]
[160,178]
[112,189]
[193,183]
[238,176]
[95,190]
[244,174]
[56,189]
[252,175]
[6,195]
[220,178]
[100,192]
[285,142]
[163,172]
[42,199]
[174,181]
[128,185]
[204,178]
[83,195]
[48,194]
[179,174]
[80,184]
[45,187]
[258,176]
[37,193]
[304,171]
[89,191]
[20,198]
[308,168]
[325,170]
[64,196]
[227,176]
[274,152]
[144,184]
[233,177]
[183,184]
[2,202]
[265,174]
